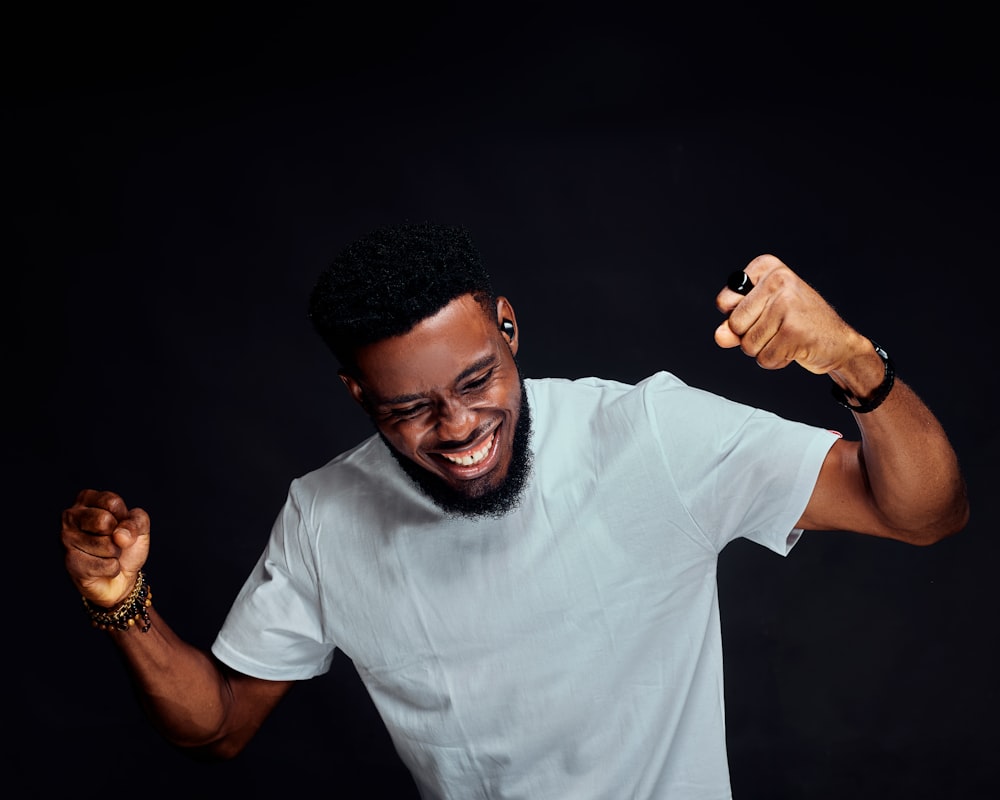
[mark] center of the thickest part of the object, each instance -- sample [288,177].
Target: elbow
[226,749]
[945,526]
[213,753]
[957,523]
[207,748]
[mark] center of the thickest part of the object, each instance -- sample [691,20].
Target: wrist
[866,380]
[131,611]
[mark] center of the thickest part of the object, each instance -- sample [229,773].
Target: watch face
[880,351]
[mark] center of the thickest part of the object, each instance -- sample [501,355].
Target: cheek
[416,438]
[401,437]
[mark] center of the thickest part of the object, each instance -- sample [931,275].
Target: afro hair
[384,283]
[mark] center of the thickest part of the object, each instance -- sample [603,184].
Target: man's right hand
[106,545]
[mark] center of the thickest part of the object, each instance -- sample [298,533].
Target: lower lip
[473,471]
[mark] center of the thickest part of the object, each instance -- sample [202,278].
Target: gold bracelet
[131,611]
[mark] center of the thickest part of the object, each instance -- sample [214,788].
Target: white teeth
[472,458]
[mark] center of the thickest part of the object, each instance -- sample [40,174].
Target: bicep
[841,500]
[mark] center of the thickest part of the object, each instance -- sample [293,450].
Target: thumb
[132,536]
[724,336]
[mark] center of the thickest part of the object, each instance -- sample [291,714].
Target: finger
[93,521]
[85,567]
[742,310]
[756,316]
[774,354]
[761,336]
[725,337]
[738,285]
[93,565]
[134,526]
[727,300]
[109,501]
[76,538]
[739,282]
[763,265]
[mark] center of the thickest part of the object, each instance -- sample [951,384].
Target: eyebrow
[476,366]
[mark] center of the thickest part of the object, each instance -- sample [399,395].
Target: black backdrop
[177,175]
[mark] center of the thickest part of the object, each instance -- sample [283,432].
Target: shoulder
[339,479]
[597,393]
[362,488]
[588,390]
[566,411]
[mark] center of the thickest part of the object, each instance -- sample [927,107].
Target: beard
[495,501]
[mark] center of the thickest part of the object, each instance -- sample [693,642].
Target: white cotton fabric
[568,651]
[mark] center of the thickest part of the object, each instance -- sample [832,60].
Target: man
[523,570]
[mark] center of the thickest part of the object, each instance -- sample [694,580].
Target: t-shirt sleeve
[740,471]
[274,629]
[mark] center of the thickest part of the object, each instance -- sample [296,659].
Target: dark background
[177,175]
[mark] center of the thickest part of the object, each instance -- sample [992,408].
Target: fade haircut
[384,283]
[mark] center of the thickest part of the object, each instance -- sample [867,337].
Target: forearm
[911,468]
[181,687]
[194,700]
[910,471]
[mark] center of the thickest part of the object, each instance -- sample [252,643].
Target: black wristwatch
[879,395]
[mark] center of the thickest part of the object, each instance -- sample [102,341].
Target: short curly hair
[384,283]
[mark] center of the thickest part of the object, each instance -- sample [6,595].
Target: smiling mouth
[471,457]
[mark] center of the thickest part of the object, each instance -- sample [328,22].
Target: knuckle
[110,502]
[781,278]
[765,263]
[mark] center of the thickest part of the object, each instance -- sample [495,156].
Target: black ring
[740,282]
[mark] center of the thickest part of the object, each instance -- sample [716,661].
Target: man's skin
[440,397]
[449,388]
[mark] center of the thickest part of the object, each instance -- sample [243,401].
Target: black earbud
[507,328]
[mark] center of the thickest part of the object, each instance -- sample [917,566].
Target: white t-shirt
[570,650]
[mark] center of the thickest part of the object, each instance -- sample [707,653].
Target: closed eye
[407,413]
[480,382]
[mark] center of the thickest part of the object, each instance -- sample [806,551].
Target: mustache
[451,444]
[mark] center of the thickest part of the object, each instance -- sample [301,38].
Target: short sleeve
[274,629]
[740,471]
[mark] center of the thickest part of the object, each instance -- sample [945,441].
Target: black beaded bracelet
[879,395]
[132,611]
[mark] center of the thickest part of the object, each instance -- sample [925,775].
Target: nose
[456,422]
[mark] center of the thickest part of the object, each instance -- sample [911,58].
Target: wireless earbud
[507,328]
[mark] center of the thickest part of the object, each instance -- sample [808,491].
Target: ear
[507,323]
[354,388]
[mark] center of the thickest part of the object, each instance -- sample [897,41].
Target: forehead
[431,356]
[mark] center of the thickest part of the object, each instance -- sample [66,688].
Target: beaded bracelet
[132,610]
